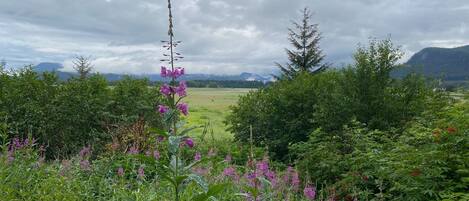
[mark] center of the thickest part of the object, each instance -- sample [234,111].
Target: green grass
[212,105]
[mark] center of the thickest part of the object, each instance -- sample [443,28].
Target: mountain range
[448,64]
[57,68]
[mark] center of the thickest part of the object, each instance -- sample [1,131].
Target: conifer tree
[306,56]
[83,66]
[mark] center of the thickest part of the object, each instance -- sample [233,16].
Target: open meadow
[212,105]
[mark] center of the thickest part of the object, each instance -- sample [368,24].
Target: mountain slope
[446,63]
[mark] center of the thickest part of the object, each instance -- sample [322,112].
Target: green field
[212,105]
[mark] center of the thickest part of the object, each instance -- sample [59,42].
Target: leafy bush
[426,161]
[67,116]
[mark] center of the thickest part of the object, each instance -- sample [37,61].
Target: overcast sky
[219,36]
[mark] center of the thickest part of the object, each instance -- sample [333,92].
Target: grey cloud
[220,36]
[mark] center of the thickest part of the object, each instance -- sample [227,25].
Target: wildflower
[133,150]
[229,171]
[141,172]
[197,156]
[181,89]
[200,171]
[189,142]
[156,155]
[184,108]
[85,165]
[309,192]
[270,175]
[163,109]
[85,152]
[177,72]
[120,171]
[262,167]
[166,90]
[164,72]
[295,180]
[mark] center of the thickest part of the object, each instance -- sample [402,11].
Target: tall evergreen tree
[306,55]
[83,66]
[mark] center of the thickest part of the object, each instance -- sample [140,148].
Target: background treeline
[358,132]
[216,84]
[65,116]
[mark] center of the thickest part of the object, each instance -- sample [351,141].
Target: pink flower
[184,108]
[270,175]
[85,152]
[166,90]
[229,171]
[309,192]
[164,72]
[262,167]
[85,165]
[133,150]
[163,109]
[156,155]
[141,172]
[189,142]
[181,89]
[177,72]
[197,156]
[295,180]
[120,171]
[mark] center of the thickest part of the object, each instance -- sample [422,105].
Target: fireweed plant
[178,171]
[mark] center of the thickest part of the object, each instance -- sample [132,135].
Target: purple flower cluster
[189,142]
[292,177]
[133,150]
[178,71]
[171,90]
[17,144]
[310,192]
[180,90]
[197,156]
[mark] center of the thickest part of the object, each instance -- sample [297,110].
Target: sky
[219,36]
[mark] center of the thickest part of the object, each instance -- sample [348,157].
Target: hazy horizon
[219,36]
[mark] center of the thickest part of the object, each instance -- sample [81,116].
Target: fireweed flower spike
[165,90]
[184,108]
[309,192]
[189,142]
[197,156]
[181,89]
[163,109]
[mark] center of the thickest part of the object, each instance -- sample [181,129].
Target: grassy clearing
[212,105]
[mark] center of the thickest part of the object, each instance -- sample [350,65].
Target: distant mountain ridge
[57,67]
[450,64]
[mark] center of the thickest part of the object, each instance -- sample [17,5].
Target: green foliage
[67,116]
[426,161]
[289,110]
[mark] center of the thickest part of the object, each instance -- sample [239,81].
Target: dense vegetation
[359,133]
[350,134]
[68,115]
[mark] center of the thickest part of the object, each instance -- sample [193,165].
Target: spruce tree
[306,55]
[83,66]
